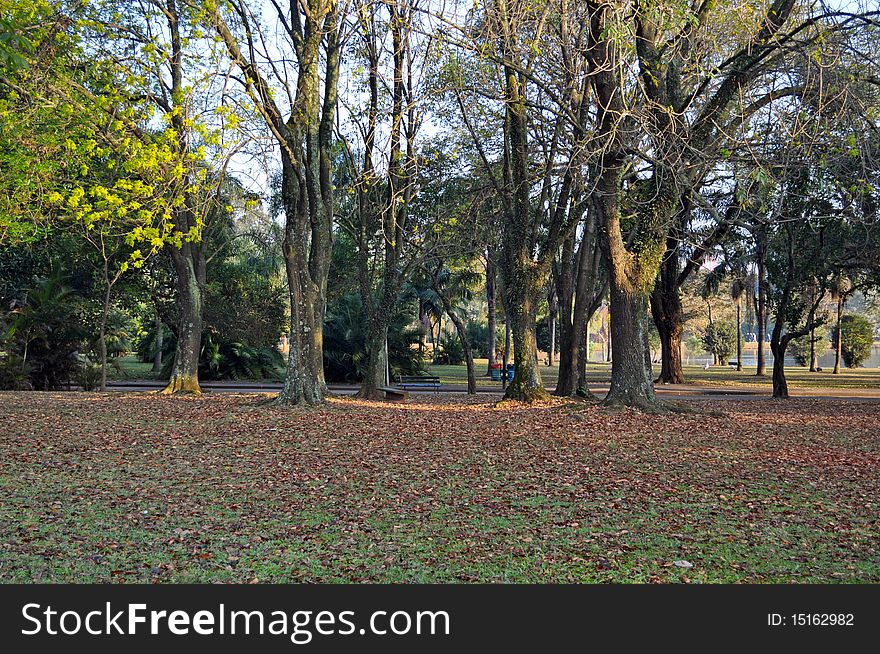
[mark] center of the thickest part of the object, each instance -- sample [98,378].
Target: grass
[130,367]
[600,373]
[143,488]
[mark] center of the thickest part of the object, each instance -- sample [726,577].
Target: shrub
[88,377]
[344,342]
[800,347]
[14,374]
[542,336]
[858,337]
[720,340]
[46,332]
[451,351]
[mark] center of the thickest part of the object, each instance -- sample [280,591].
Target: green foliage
[478,336]
[88,376]
[148,343]
[542,336]
[15,373]
[451,352]
[799,348]
[250,283]
[344,342]
[222,359]
[858,337]
[720,340]
[695,344]
[45,334]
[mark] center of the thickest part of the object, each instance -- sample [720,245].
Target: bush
[232,360]
[542,336]
[451,351]
[15,374]
[695,344]
[88,377]
[344,342]
[858,337]
[800,347]
[478,336]
[45,331]
[720,340]
[223,359]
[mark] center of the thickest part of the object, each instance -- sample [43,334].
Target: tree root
[188,385]
[528,395]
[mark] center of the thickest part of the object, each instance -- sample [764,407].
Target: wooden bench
[394,394]
[418,381]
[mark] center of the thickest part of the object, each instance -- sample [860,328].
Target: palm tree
[448,289]
[738,289]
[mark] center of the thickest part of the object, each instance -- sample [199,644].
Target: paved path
[682,391]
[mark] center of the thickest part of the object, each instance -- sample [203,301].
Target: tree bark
[761,306]
[631,377]
[573,353]
[666,312]
[780,384]
[739,352]
[526,385]
[522,277]
[374,376]
[491,299]
[838,350]
[185,371]
[105,312]
[564,275]
[461,329]
[812,350]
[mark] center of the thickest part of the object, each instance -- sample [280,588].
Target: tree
[305,141]
[841,288]
[857,340]
[538,111]
[452,286]
[721,340]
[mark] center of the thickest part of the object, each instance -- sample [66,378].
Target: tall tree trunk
[522,281]
[778,347]
[491,299]
[573,356]
[761,307]
[305,139]
[565,274]
[838,349]
[812,350]
[185,371]
[526,385]
[374,375]
[631,377]
[304,380]
[505,357]
[739,351]
[666,312]
[461,330]
[552,319]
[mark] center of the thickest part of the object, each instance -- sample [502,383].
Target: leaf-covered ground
[140,488]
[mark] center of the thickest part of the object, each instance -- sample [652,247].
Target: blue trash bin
[511,369]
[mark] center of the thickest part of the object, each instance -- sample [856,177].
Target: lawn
[600,373]
[146,488]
